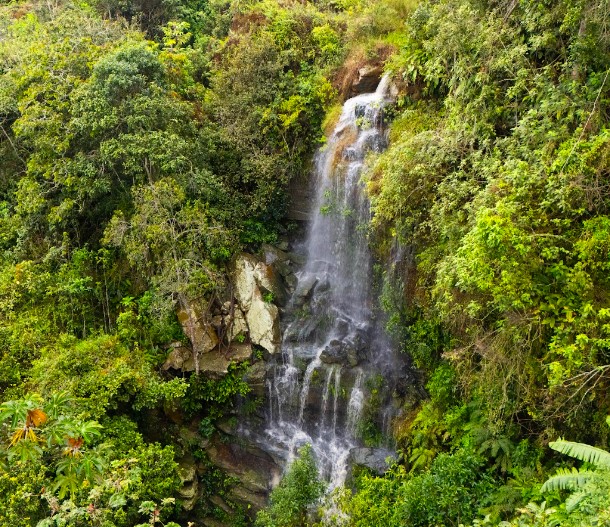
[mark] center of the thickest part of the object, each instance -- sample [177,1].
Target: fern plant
[566,479]
[574,479]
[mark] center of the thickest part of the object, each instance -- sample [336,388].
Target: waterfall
[318,390]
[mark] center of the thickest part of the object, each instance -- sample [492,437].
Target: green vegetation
[144,144]
[498,154]
[293,498]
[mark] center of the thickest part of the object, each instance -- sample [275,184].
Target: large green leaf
[582,451]
[566,480]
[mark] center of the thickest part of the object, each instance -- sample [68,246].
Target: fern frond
[574,501]
[582,451]
[567,480]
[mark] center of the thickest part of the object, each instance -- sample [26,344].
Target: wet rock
[201,333]
[334,353]
[360,110]
[378,460]
[274,254]
[322,286]
[296,258]
[376,144]
[291,281]
[353,357]
[283,268]
[305,288]
[368,79]
[255,377]
[341,328]
[355,350]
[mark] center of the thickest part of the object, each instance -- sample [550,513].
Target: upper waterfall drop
[333,344]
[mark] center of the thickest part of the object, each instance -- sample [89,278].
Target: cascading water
[332,343]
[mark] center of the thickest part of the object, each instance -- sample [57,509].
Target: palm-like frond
[57,404]
[566,479]
[582,451]
[574,500]
[25,451]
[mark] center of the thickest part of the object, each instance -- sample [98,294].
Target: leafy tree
[292,499]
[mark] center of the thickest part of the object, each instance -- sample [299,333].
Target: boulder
[263,319]
[291,281]
[368,79]
[255,377]
[305,288]
[268,281]
[251,467]
[177,357]
[334,353]
[323,285]
[244,280]
[202,335]
[217,362]
[251,278]
[236,324]
[297,258]
[273,254]
[355,349]
[188,491]
[247,497]
[222,504]
[376,459]
[227,425]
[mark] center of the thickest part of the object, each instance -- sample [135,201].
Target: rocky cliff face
[243,325]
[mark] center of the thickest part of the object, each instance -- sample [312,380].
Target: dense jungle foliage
[144,143]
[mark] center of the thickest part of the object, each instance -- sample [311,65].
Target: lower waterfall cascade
[334,347]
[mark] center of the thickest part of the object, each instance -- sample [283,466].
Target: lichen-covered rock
[264,323]
[235,323]
[244,281]
[189,489]
[200,332]
[255,377]
[176,358]
[217,361]
[250,279]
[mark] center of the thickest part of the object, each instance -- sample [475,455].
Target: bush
[291,500]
